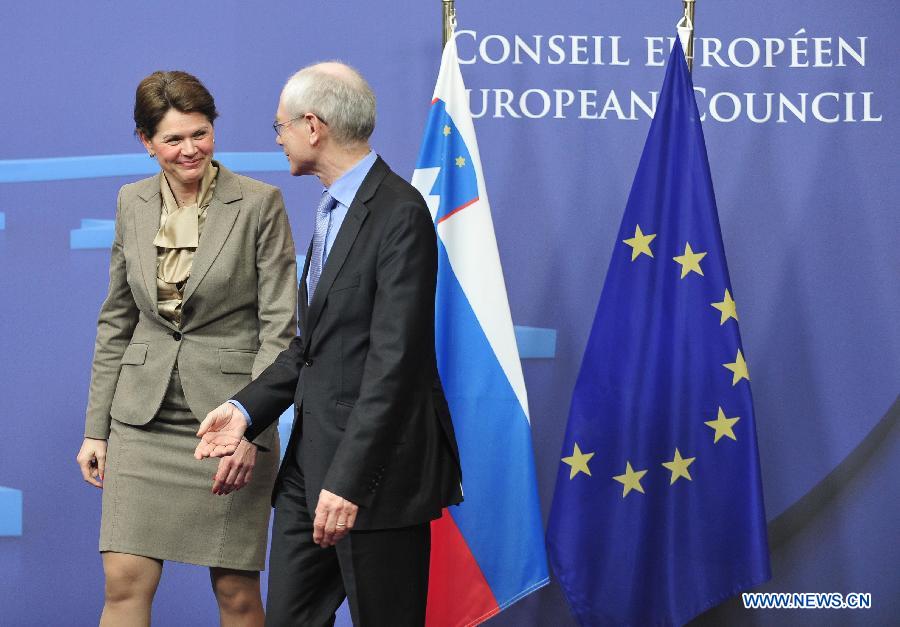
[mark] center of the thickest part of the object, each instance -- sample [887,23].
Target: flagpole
[687,24]
[449,20]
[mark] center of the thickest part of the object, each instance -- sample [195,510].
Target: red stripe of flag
[458,593]
[458,209]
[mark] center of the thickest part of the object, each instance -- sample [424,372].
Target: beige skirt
[157,499]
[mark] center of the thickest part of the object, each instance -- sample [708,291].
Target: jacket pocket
[234,361]
[135,355]
[342,414]
[345,283]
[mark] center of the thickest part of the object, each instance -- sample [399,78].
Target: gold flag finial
[449,20]
[685,29]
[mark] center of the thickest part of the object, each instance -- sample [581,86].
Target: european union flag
[658,510]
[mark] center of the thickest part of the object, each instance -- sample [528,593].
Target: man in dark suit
[372,458]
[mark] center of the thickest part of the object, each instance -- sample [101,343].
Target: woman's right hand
[92,460]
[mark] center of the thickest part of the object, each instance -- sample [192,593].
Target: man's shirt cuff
[243,410]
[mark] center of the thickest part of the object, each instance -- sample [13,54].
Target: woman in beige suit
[202,297]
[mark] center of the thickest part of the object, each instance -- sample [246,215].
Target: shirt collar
[344,189]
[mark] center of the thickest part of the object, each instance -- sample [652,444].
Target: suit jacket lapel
[146,225]
[356,215]
[302,297]
[336,258]
[220,217]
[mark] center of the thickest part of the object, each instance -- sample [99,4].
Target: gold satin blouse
[176,242]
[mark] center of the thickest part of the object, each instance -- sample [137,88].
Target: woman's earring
[153,155]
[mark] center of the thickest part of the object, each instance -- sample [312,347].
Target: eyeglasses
[280,126]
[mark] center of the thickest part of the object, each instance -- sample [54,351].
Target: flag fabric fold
[489,551]
[658,509]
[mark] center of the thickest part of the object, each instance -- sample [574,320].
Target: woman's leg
[238,596]
[131,582]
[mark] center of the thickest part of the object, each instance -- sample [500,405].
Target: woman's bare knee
[237,591]
[130,578]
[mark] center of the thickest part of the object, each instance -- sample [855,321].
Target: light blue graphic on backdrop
[533,342]
[10,512]
[92,234]
[285,424]
[98,166]
[536,343]
[2,221]
[286,420]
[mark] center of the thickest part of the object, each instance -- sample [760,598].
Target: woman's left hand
[236,470]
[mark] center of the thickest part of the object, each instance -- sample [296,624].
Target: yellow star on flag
[631,480]
[679,467]
[578,462]
[690,261]
[446,130]
[460,162]
[739,368]
[727,307]
[723,425]
[640,243]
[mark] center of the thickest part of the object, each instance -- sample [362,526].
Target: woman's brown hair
[161,91]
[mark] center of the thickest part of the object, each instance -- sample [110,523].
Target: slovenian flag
[488,552]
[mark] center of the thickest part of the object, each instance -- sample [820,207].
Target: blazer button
[176,335]
[308,363]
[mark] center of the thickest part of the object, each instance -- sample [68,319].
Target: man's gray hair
[338,95]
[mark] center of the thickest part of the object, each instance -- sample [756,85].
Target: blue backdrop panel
[801,122]
[99,166]
[10,512]
[92,234]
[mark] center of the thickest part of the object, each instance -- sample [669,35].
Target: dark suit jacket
[372,423]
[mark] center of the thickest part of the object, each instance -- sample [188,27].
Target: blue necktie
[323,217]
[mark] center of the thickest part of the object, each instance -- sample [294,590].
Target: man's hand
[335,517]
[92,460]
[235,471]
[220,432]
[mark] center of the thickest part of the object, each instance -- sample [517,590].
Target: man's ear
[316,128]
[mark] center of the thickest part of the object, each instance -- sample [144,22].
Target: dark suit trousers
[383,573]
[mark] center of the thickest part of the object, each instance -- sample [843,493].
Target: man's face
[294,140]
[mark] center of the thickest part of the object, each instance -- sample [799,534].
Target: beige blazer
[238,312]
